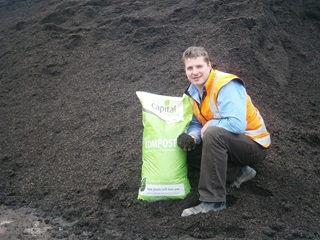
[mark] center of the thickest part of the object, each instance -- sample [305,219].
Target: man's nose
[195,71]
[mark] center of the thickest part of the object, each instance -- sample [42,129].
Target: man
[226,126]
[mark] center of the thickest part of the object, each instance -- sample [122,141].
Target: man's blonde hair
[194,52]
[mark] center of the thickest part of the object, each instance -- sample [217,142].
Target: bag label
[169,109]
[163,190]
[160,144]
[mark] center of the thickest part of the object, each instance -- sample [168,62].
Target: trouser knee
[213,133]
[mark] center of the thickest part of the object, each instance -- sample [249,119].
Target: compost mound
[71,128]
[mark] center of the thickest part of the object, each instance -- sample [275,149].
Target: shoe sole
[188,212]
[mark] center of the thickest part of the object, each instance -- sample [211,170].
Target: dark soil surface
[71,128]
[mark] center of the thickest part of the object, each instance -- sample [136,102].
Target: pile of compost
[70,120]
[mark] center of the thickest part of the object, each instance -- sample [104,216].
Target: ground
[71,129]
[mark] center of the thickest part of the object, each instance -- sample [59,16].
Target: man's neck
[200,90]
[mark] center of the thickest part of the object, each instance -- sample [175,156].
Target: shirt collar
[193,92]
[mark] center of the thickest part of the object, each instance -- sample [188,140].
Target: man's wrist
[194,138]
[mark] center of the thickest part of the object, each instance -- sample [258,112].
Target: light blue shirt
[232,108]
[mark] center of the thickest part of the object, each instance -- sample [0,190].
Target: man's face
[197,71]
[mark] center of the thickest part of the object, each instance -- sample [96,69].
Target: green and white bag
[164,169]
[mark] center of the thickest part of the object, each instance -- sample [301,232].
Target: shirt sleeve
[232,108]
[194,129]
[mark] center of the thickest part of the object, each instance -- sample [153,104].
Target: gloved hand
[186,142]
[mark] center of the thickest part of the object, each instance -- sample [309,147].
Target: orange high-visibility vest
[209,110]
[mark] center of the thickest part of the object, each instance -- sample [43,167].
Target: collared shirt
[232,109]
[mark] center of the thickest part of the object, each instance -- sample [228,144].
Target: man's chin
[198,83]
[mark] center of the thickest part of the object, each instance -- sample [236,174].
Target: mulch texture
[70,121]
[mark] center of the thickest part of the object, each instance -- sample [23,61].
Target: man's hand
[186,142]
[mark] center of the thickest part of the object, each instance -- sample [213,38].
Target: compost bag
[164,167]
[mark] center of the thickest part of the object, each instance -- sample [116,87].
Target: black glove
[186,142]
